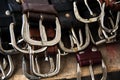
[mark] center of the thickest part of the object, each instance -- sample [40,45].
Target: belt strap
[65,13]
[10,13]
[89,57]
[37,7]
[16,12]
[51,50]
[5,20]
[50,32]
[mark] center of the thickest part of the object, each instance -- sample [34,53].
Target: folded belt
[89,57]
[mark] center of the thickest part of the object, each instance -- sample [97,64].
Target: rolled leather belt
[89,57]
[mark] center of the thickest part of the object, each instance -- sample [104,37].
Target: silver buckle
[104,70]
[51,73]
[114,26]
[24,69]
[79,46]
[79,18]
[14,43]
[25,33]
[3,51]
[8,74]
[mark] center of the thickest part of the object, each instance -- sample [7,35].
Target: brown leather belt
[51,50]
[89,57]
[35,8]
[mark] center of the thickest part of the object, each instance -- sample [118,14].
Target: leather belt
[65,13]
[34,8]
[14,15]
[16,12]
[4,19]
[89,57]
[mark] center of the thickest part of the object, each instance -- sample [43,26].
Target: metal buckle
[14,43]
[24,68]
[104,70]
[109,37]
[8,74]
[79,46]
[29,75]
[9,52]
[51,72]
[25,33]
[51,62]
[114,25]
[102,40]
[79,18]
[91,71]
[31,53]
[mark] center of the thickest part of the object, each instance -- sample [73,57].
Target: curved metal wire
[24,68]
[25,33]
[79,47]
[14,43]
[55,72]
[114,26]
[79,18]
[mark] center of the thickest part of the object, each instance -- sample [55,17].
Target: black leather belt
[10,12]
[65,13]
[5,20]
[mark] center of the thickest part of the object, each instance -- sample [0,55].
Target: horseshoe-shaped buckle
[52,71]
[4,51]
[6,19]
[105,38]
[114,25]
[113,4]
[80,18]
[96,33]
[48,59]
[14,43]
[28,75]
[79,47]
[90,59]
[25,33]
[8,74]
